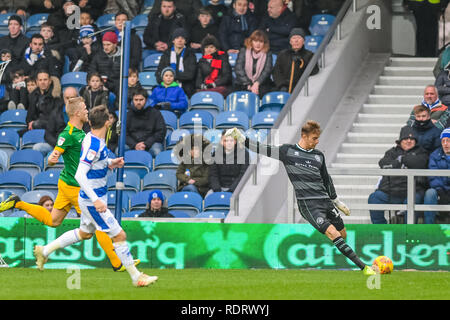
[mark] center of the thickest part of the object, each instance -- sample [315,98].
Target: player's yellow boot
[9,203]
[121,268]
[41,259]
[368,271]
[145,280]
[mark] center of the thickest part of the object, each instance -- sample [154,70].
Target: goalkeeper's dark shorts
[321,213]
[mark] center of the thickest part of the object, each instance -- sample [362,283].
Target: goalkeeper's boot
[9,203]
[121,268]
[41,259]
[368,271]
[144,280]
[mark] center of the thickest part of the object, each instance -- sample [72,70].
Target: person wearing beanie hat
[83,53]
[156,208]
[110,37]
[297,32]
[15,41]
[407,154]
[87,31]
[439,191]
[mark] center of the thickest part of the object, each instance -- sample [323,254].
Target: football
[383,265]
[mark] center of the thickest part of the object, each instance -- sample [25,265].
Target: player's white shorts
[91,220]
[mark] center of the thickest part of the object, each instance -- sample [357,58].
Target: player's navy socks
[343,247]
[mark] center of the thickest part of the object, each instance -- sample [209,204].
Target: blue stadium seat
[105,21]
[274,101]
[148,79]
[161,179]
[212,215]
[312,43]
[264,119]
[189,202]
[34,22]
[175,136]
[147,52]
[17,182]
[4,158]
[132,214]
[198,55]
[9,141]
[230,119]
[4,20]
[218,201]
[139,201]
[244,101]
[152,61]
[28,160]
[180,214]
[131,181]
[3,32]
[196,119]
[257,135]
[30,138]
[207,100]
[74,79]
[232,57]
[320,24]
[139,161]
[4,194]
[166,160]
[16,214]
[13,119]
[213,135]
[170,118]
[46,180]
[139,22]
[112,201]
[33,197]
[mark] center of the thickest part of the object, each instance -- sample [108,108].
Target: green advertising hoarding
[234,246]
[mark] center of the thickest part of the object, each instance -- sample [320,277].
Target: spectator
[427,134]
[291,63]
[181,59]
[95,7]
[188,8]
[44,6]
[440,115]
[107,62]
[58,18]
[442,84]
[203,27]
[11,6]
[146,129]
[168,95]
[82,54]
[46,202]
[156,208]
[18,91]
[52,43]
[192,172]
[43,100]
[231,162]
[218,10]
[439,191]
[15,41]
[135,41]
[59,121]
[157,34]
[236,27]
[112,138]
[406,155]
[278,23]
[95,93]
[133,83]
[254,65]
[213,68]
[31,84]
[131,7]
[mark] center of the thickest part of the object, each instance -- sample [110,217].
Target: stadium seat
[170,119]
[30,138]
[152,61]
[212,215]
[9,141]
[274,101]
[148,80]
[17,182]
[33,23]
[33,197]
[232,57]
[189,202]
[175,136]
[139,161]
[28,160]
[196,119]
[4,158]
[74,79]
[218,201]
[112,201]
[213,135]
[312,43]
[139,22]
[320,24]
[264,119]
[4,20]
[244,101]
[131,181]
[257,135]
[146,53]
[13,119]
[147,6]
[180,214]
[132,214]
[3,32]
[207,100]
[139,201]
[166,160]
[16,214]
[105,21]
[46,180]
[161,179]
[230,119]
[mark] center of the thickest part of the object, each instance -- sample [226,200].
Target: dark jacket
[13,5]
[439,160]
[37,6]
[159,30]
[16,45]
[198,33]
[198,172]
[41,106]
[231,35]
[442,84]
[204,69]
[228,172]
[146,125]
[186,77]
[428,135]
[241,75]
[188,8]
[108,65]
[396,158]
[278,29]
[79,52]
[162,213]
[94,99]
[56,126]
[282,70]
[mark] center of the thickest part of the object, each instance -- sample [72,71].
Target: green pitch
[212,284]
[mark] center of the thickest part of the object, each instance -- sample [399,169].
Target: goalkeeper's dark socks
[343,247]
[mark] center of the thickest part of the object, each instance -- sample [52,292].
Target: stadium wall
[233,246]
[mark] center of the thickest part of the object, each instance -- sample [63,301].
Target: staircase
[377,126]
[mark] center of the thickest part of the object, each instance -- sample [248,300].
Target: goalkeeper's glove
[341,206]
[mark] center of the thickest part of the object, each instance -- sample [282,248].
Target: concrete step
[398,119]
[355,166]
[408,71]
[356,199]
[397,90]
[362,190]
[387,108]
[409,81]
[412,62]
[387,138]
[361,158]
[395,99]
[376,128]
[365,148]
[354,180]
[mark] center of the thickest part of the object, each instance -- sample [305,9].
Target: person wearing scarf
[35,58]
[214,70]
[254,65]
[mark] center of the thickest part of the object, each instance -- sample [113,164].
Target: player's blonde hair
[311,126]
[74,105]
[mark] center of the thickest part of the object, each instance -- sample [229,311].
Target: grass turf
[211,284]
